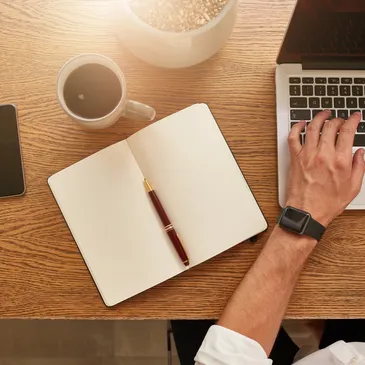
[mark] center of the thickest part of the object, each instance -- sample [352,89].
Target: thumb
[358,170]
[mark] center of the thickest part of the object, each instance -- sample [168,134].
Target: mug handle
[139,111]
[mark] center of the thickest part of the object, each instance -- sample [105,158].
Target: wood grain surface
[42,274]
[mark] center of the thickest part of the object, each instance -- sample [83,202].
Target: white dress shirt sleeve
[222,346]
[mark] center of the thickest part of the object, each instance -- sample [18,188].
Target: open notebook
[112,219]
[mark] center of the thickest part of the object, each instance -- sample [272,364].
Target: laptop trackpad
[360,199]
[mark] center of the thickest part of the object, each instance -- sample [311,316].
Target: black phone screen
[11,166]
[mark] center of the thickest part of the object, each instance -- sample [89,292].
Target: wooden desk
[42,273]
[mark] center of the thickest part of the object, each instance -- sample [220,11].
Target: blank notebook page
[195,175]
[114,224]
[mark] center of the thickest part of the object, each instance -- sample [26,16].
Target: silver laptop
[321,65]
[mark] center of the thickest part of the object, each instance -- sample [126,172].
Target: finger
[294,138]
[347,133]
[358,170]
[329,132]
[314,128]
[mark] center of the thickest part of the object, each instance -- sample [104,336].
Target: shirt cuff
[222,346]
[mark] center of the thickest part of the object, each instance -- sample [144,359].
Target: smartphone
[11,163]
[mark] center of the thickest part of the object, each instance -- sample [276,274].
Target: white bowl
[174,49]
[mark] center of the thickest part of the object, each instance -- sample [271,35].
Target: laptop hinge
[333,64]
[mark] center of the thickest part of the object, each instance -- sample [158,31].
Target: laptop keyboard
[343,96]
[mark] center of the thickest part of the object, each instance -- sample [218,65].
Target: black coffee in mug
[92,91]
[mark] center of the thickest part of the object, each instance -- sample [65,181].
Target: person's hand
[324,176]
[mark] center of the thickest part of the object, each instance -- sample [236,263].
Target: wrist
[294,242]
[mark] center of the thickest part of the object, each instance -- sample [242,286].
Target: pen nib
[147,186]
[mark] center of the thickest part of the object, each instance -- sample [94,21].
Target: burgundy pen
[169,228]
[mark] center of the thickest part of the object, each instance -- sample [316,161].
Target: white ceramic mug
[125,108]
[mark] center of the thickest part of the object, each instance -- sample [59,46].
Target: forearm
[258,305]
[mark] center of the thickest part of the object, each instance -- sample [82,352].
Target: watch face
[295,220]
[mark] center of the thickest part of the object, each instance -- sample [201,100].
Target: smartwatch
[300,222]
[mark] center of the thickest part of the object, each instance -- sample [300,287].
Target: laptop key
[361,127]
[339,102]
[314,103]
[363,115]
[359,80]
[344,114]
[294,90]
[333,114]
[298,103]
[345,90]
[332,90]
[300,114]
[357,90]
[294,80]
[302,139]
[351,103]
[333,80]
[359,140]
[321,80]
[346,80]
[307,90]
[326,103]
[362,103]
[320,90]
[315,112]
[308,80]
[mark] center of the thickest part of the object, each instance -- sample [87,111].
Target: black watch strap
[314,229]
[300,222]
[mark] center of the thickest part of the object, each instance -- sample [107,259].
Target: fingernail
[358,114]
